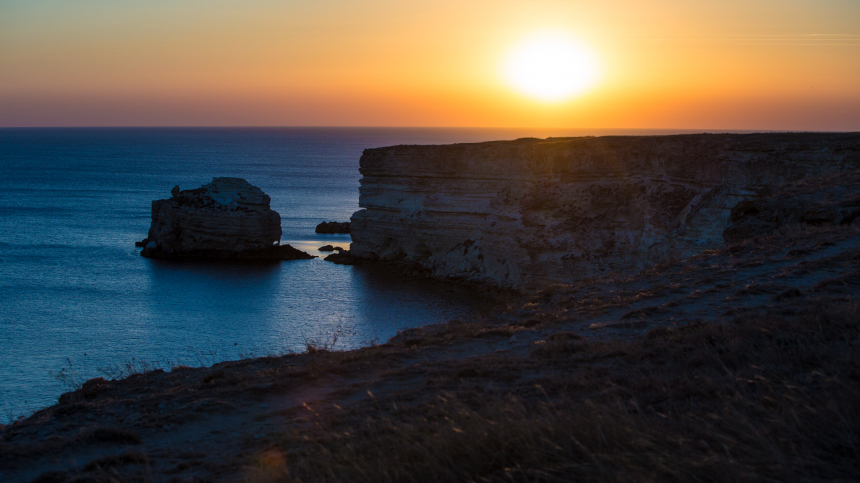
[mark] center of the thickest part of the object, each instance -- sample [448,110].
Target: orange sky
[727,64]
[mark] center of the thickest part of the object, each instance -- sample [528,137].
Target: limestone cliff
[223,219]
[531,211]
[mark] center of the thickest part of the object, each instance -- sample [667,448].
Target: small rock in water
[342,257]
[333,227]
[326,248]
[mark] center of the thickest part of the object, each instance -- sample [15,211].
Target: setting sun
[664,64]
[551,67]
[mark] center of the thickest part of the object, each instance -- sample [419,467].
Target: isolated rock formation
[328,227]
[342,257]
[227,218]
[530,212]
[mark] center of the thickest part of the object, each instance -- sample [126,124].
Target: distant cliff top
[753,138]
[677,144]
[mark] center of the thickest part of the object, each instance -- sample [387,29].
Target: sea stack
[227,218]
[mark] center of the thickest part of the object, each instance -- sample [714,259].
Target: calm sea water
[75,293]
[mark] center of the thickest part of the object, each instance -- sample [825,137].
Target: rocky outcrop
[342,257]
[828,200]
[227,218]
[530,212]
[330,227]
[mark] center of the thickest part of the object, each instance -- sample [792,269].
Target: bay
[75,295]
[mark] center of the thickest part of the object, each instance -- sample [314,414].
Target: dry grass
[765,398]
[104,470]
[441,333]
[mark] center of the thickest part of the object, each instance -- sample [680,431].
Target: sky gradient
[728,64]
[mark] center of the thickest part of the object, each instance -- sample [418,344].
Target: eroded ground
[738,364]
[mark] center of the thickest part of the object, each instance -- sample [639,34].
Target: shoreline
[79,372]
[529,371]
[711,333]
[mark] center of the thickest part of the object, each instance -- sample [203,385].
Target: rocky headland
[525,213]
[722,345]
[227,218]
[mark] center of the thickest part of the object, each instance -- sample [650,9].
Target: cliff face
[527,212]
[225,218]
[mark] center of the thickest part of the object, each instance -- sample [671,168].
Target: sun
[551,67]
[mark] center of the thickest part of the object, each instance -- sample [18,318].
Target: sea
[78,301]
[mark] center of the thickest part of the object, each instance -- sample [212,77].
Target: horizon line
[696,129]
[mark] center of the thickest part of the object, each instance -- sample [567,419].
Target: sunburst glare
[551,67]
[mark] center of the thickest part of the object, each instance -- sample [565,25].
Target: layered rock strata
[530,212]
[227,218]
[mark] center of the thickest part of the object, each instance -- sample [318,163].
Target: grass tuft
[107,435]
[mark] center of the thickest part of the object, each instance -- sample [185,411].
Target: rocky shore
[736,359]
[740,362]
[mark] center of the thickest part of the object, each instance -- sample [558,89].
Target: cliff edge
[530,212]
[684,372]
